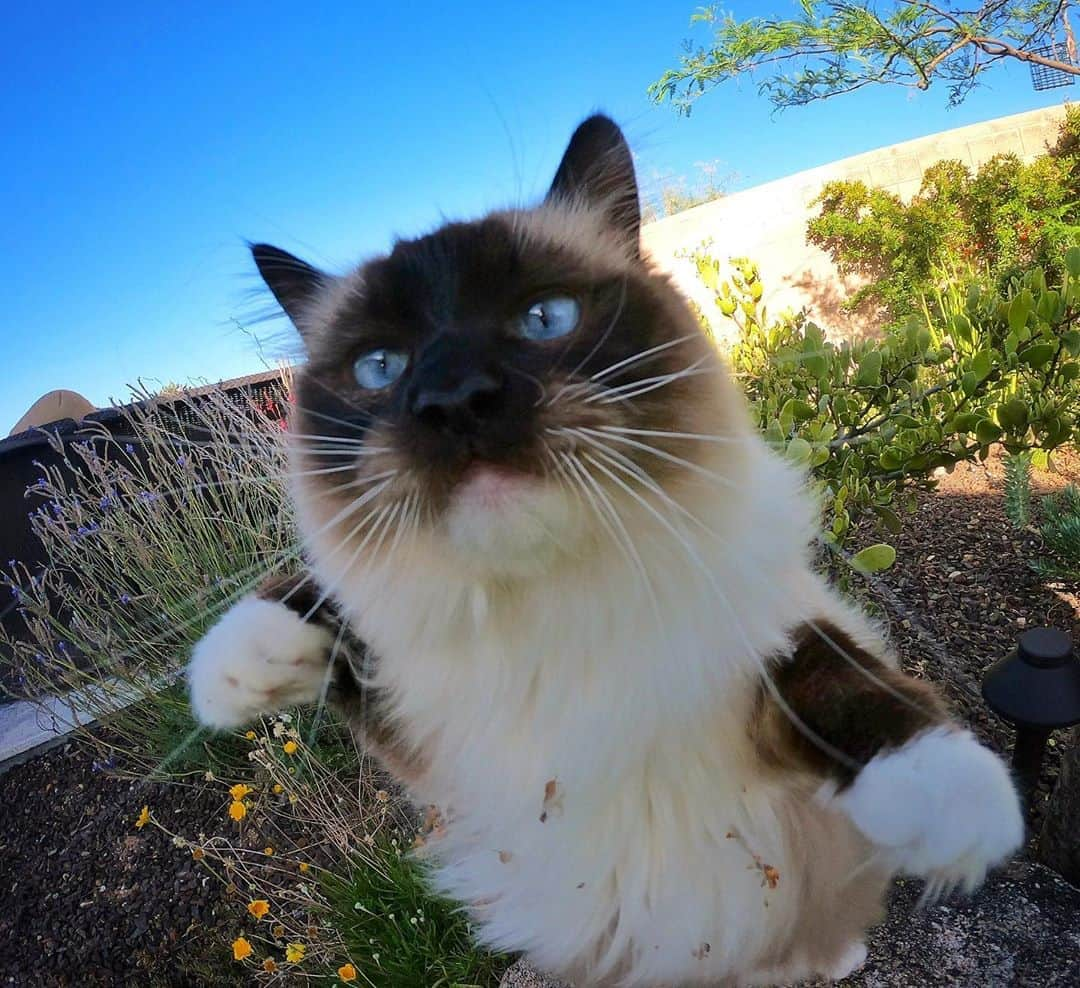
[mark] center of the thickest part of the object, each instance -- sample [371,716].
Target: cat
[665,751]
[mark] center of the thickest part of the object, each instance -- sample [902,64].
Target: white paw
[258,658]
[853,958]
[942,807]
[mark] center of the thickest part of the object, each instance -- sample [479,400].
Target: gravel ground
[961,592]
[91,901]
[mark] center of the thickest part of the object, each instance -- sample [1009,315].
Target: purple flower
[39,658]
[125,598]
[148,497]
[40,482]
[15,591]
[58,509]
[11,563]
[106,502]
[129,449]
[181,460]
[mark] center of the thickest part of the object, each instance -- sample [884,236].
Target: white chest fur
[586,734]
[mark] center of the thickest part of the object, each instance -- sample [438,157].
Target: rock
[1021,928]
[523,976]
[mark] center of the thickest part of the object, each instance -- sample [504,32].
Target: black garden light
[1036,688]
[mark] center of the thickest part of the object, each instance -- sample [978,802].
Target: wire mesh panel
[1044,77]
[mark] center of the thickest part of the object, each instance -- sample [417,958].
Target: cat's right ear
[598,169]
[295,283]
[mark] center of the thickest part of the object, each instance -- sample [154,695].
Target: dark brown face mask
[475,344]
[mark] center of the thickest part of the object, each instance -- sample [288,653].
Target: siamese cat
[665,751]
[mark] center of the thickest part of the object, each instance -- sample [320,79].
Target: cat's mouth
[490,485]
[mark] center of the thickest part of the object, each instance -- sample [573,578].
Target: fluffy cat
[665,751]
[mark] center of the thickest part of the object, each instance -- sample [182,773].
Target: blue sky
[144,143]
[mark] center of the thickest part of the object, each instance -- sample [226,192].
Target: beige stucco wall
[768,222]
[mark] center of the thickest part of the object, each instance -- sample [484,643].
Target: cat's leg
[268,651]
[933,801]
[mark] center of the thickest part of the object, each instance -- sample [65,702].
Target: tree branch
[1002,49]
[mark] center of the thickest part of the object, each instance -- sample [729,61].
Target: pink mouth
[490,486]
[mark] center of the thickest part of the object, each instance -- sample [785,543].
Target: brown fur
[361,706]
[849,702]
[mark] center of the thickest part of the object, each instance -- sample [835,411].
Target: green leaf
[797,410]
[1013,414]
[987,432]
[982,363]
[891,459]
[1072,261]
[1038,354]
[961,327]
[799,450]
[969,382]
[890,519]
[869,369]
[874,558]
[1049,302]
[965,422]
[1018,313]
[1071,339]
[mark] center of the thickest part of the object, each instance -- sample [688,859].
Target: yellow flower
[304,866]
[278,788]
[258,908]
[144,818]
[346,972]
[240,949]
[278,931]
[294,952]
[268,850]
[198,853]
[239,791]
[269,966]
[251,735]
[289,747]
[237,810]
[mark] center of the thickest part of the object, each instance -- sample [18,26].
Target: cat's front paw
[941,807]
[259,657]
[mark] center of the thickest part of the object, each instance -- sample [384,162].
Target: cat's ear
[598,169]
[295,283]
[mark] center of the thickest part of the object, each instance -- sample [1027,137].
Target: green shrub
[1059,520]
[1060,531]
[874,419]
[999,221]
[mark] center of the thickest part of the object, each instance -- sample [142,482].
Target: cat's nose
[460,407]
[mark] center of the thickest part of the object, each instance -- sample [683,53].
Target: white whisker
[664,455]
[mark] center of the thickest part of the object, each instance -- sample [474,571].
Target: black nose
[462,406]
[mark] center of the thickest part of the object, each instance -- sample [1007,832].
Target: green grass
[396,932]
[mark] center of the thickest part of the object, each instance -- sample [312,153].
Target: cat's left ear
[295,283]
[598,169]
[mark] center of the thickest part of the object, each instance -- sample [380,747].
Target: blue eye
[550,318]
[379,368]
